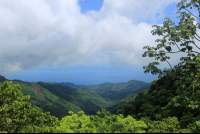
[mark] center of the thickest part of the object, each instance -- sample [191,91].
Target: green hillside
[117,91]
[59,99]
[44,99]
[95,97]
[113,93]
[88,101]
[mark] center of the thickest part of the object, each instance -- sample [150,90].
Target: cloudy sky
[80,41]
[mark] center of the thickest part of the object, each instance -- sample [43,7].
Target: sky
[81,41]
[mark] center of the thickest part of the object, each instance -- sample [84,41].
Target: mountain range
[59,98]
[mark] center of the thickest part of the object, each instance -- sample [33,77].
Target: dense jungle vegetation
[171,105]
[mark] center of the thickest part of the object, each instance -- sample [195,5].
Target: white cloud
[54,33]
[11,67]
[137,10]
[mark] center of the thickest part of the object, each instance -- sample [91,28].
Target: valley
[59,98]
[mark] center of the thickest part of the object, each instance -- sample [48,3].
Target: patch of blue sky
[170,12]
[87,5]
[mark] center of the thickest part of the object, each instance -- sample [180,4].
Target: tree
[103,122]
[17,115]
[167,125]
[184,33]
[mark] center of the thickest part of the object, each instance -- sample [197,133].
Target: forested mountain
[113,91]
[44,99]
[88,101]
[59,99]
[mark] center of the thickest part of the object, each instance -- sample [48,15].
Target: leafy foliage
[165,100]
[185,33]
[167,125]
[103,122]
[17,115]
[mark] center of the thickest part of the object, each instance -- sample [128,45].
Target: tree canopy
[184,33]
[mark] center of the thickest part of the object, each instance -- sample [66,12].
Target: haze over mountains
[59,98]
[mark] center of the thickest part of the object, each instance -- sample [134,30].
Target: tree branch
[195,52]
[169,64]
[192,14]
[196,38]
[196,45]
[197,35]
[177,46]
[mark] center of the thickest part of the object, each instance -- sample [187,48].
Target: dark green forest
[169,104]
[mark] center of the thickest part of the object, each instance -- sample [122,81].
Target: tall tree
[185,33]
